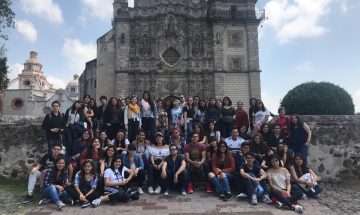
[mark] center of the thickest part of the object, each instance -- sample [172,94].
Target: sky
[300,41]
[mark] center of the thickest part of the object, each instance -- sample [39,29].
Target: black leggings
[288,201]
[76,196]
[119,196]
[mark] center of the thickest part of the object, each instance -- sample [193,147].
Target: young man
[234,141]
[284,122]
[195,156]
[252,181]
[100,111]
[174,171]
[46,162]
[53,125]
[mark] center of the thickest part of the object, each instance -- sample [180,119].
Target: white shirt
[159,153]
[278,178]
[260,115]
[114,176]
[234,145]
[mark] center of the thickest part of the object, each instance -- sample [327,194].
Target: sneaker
[167,191]
[278,204]
[222,195]
[253,199]
[151,190]
[190,188]
[85,204]
[304,197]
[44,201]
[141,192]
[208,188]
[183,191]
[298,209]
[96,202]
[158,190]
[241,196]
[28,199]
[227,197]
[266,199]
[60,205]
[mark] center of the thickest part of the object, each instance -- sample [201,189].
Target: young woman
[227,117]
[189,117]
[177,139]
[158,152]
[74,118]
[148,114]
[176,116]
[132,119]
[83,143]
[55,181]
[266,162]
[213,133]
[280,187]
[202,112]
[120,142]
[265,132]
[89,113]
[141,144]
[213,113]
[135,163]
[300,136]
[113,117]
[200,131]
[223,168]
[305,178]
[258,147]
[85,184]
[252,112]
[104,141]
[244,134]
[115,183]
[163,123]
[105,162]
[260,116]
[241,117]
[93,152]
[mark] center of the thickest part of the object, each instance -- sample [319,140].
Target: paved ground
[196,203]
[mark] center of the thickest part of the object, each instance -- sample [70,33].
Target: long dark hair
[110,107]
[117,142]
[113,162]
[227,154]
[106,157]
[226,98]
[299,124]
[63,173]
[257,108]
[202,109]
[90,149]
[151,103]
[73,106]
[303,169]
[82,173]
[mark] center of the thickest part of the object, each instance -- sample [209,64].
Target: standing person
[88,112]
[158,153]
[300,136]
[100,112]
[201,113]
[115,183]
[46,162]
[176,115]
[132,119]
[74,121]
[213,133]
[266,132]
[241,117]
[284,122]
[113,117]
[53,125]
[149,115]
[280,187]
[260,116]
[120,142]
[213,113]
[223,168]
[174,171]
[252,112]
[227,117]
[189,117]
[163,121]
[55,181]
[182,100]
[94,120]
[85,184]
[219,103]
[177,139]
[195,156]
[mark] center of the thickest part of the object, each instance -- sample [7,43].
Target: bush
[322,98]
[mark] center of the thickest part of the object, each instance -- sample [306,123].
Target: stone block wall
[334,152]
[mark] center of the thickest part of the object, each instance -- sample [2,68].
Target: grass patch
[12,193]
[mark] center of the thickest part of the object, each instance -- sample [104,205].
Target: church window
[27,83]
[72,90]
[171,56]
[17,103]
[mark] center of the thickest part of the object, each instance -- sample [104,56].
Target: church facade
[168,47]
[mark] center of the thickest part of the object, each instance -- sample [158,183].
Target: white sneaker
[304,197]
[151,190]
[158,190]
[141,192]
[96,202]
[253,199]
[266,199]
[60,205]
[278,204]
[241,196]
[298,209]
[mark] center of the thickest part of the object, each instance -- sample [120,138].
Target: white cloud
[43,8]
[77,54]
[271,101]
[298,18]
[56,82]
[14,70]
[304,67]
[102,9]
[356,100]
[26,29]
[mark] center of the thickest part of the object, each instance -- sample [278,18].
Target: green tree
[321,98]
[7,17]
[4,80]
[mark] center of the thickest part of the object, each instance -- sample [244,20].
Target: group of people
[104,153]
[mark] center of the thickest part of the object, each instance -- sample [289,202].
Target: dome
[33,59]
[74,82]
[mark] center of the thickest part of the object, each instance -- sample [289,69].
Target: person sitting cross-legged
[174,171]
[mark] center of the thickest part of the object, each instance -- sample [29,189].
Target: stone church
[168,47]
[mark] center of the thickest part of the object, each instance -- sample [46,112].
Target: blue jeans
[51,141]
[71,137]
[189,129]
[318,189]
[54,195]
[222,184]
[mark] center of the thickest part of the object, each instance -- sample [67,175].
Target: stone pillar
[253,61]
[122,85]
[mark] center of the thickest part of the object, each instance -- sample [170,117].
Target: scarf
[134,108]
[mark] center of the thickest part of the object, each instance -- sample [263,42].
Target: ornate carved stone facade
[180,46]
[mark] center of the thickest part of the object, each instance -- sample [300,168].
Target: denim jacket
[138,161]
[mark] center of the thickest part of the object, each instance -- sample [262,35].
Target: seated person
[243,133]
[178,140]
[275,138]
[266,162]
[223,168]
[234,141]
[115,183]
[85,184]
[174,171]
[93,152]
[305,178]
[258,147]
[195,156]
[285,154]
[105,161]
[120,142]
[46,162]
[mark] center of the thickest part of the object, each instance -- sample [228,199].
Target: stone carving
[235,38]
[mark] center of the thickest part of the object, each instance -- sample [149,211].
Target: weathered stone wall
[334,152]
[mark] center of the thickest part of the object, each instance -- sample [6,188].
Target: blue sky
[302,40]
